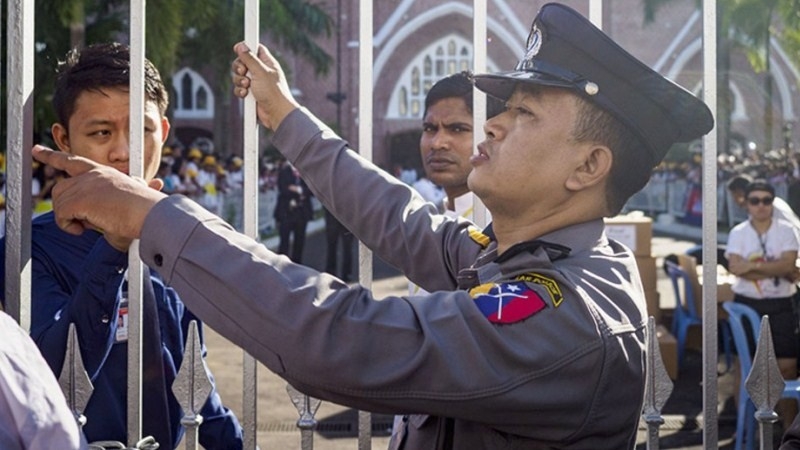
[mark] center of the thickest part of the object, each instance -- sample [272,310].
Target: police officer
[533,335]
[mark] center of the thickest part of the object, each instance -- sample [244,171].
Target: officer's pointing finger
[73,165]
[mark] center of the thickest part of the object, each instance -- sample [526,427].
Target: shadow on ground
[345,425]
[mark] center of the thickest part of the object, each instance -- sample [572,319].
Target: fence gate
[19,93]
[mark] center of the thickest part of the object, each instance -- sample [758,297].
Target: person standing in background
[761,253]
[292,212]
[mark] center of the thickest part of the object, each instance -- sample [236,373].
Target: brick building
[418,41]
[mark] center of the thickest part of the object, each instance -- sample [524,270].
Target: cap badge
[534,43]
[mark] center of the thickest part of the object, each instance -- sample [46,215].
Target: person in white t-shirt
[761,252]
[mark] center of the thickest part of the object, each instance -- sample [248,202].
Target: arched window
[403,103]
[427,66]
[186,92]
[444,57]
[193,97]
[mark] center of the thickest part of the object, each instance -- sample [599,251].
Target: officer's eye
[522,111]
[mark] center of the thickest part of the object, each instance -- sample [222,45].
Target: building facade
[416,42]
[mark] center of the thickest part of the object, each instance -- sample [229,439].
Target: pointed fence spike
[307,408]
[765,384]
[192,386]
[74,381]
[658,386]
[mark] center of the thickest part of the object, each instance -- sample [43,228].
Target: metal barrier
[670,196]
[655,198]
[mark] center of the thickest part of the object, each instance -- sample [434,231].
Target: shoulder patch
[508,302]
[556,297]
[476,235]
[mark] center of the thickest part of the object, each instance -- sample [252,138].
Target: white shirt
[33,411]
[743,240]
[235,179]
[429,191]
[782,210]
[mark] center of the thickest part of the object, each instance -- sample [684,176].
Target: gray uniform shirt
[561,367]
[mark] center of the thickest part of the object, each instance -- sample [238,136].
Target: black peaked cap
[566,50]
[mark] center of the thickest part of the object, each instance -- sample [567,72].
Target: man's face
[759,205]
[446,145]
[529,152]
[739,197]
[99,130]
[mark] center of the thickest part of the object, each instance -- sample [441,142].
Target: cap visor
[501,85]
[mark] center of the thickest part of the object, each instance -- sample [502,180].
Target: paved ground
[338,426]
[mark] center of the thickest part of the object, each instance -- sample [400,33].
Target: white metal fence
[657,197]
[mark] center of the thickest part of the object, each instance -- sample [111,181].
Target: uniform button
[104,318]
[159,260]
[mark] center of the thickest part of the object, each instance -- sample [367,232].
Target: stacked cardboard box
[637,233]
[669,351]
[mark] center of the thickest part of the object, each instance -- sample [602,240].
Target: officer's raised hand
[264,78]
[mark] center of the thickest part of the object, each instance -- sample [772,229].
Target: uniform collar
[568,240]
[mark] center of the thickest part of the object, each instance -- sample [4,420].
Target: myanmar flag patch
[507,302]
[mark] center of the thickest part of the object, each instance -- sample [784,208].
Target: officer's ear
[594,168]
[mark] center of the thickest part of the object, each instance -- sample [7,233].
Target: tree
[199,31]
[293,24]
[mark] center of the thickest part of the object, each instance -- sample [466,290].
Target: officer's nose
[492,127]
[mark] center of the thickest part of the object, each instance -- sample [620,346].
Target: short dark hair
[459,85]
[760,185]
[739,182]
[632,165]
[101,66]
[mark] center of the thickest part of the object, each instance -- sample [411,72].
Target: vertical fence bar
[250,222]
[596,13]
[710,400]
[19,117]
[365,88]
[479,39]
[136,168]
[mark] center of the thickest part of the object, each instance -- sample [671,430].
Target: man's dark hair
[459,85]
[101,66]
[632,165]
[739,182]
